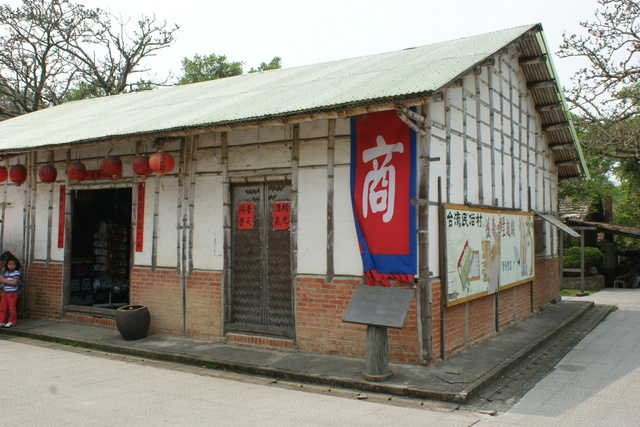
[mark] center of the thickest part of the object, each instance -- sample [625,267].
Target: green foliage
[571,257]
[208,67]
[600,186]
[212,67]
[606,92]
[273,65]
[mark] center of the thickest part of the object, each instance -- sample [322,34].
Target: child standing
[9,278]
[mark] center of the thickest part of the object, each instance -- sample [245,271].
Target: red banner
[382,185]
[140,217]
[61,208]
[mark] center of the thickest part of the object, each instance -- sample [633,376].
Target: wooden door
[260,284]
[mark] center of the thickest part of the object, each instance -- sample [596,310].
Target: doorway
[100,247]
[261,289]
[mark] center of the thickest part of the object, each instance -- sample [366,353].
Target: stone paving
[598,382]
[595,384]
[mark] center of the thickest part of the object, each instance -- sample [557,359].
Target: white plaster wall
[456,181]
[266,155]
[208,231]
[434,240]
[42,220]
[312,221]
[313,153]
[13,225]
[167,222]
[347,260]
[316,129]
[346,254]
[513,154]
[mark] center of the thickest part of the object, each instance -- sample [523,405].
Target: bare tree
[606,93]
[52,51]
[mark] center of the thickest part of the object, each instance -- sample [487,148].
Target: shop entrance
[100,247]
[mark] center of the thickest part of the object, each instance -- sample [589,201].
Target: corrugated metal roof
[265,95]
[332,86]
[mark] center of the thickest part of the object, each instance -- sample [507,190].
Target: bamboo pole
[33,186]
[156,213]
[479,149]
[134,219]
[447,125]
[226,218]
[331,149]
[503,195]
[512,107]
[465,149]
[181,218]
[192,198]
[68,234]
[443,271]
[492,138]
[424,294]
[521,161]
[295,162]
[50,212]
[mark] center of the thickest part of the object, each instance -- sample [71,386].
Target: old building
[250,237]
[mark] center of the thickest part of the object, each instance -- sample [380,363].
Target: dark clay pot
[133,321]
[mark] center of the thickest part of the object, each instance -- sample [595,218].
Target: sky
[304,32]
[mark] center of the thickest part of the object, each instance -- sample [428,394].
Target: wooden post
[377,365]
[582,262]
[582,292]
[379,308]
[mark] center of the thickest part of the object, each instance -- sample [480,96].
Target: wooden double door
[260,288]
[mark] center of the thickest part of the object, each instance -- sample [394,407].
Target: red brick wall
[472,322]
[43,290]
[160,292]
[204,305]
[319,310]
[546,284]
[320,307]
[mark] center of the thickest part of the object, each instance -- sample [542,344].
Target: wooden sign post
[379,308]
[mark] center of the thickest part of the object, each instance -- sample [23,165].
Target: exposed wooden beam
[549,107]
[555,126]
[562,146]
[541,84]
[488,62]
[568,163]
[533,60]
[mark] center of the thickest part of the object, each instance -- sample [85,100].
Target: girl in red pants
[9,278]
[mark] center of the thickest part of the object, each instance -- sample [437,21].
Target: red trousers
[9,301]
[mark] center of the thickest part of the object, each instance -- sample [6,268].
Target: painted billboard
[486,250]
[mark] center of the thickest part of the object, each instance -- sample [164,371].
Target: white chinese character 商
[378,193]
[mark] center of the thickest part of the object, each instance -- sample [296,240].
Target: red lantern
[18,174]
[76,171]
[112,166]
[48,173]
[141,167]
[3,174]
[161,162]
